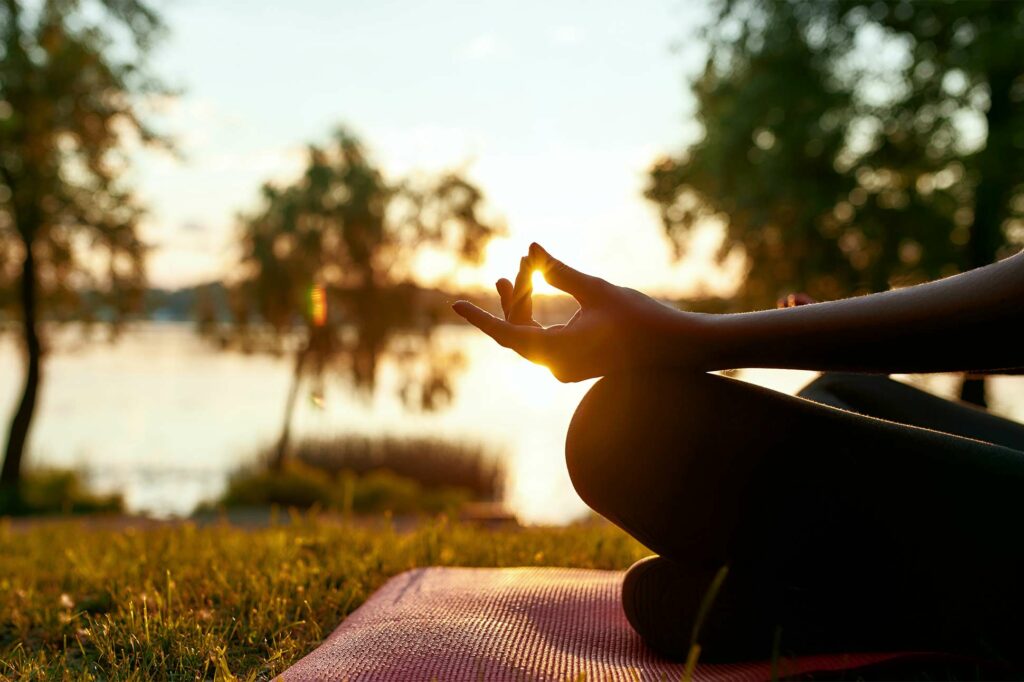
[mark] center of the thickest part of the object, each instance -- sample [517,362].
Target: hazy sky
[555,108]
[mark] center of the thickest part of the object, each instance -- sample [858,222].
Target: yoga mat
[513,624]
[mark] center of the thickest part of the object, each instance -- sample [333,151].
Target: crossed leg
[841,531]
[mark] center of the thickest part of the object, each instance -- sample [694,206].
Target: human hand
[517,299]
[615,328]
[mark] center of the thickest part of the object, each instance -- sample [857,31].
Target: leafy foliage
[57,491]
[71,76]
[297,485]
[372,475]
[851,146]
[432,462]
[344,232]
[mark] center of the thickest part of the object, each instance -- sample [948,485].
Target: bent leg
[848,532]
[876,395]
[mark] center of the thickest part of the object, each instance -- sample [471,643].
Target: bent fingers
[525,340]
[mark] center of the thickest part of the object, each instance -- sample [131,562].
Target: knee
[844,390]
[584,447]
[632,433]
[676,459]
[822,390]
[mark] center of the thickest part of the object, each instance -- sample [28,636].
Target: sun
[540,285]
[502,260]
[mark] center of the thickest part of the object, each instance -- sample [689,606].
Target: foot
[672,606]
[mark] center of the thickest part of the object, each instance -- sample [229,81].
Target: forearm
[966,322]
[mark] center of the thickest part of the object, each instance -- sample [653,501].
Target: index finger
[521,308]
[527,341]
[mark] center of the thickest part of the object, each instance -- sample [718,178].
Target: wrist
[717,342]
[764,338]
[702,341]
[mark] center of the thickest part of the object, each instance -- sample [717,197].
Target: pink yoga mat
[513,624]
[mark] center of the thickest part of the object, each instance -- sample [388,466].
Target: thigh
[825,511]
[876,395]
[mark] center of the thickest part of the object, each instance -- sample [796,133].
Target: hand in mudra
[615,328]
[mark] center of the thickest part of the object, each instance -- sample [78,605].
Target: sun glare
[318,305]
[540,285]
[501,260]
[532,381]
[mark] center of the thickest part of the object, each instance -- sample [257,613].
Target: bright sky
[554,108]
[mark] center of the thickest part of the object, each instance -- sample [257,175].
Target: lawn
[178,601]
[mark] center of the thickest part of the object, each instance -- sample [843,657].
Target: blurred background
[230,231]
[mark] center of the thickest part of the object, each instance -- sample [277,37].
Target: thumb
[561,276]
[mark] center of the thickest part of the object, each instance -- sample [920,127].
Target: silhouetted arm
[971,321]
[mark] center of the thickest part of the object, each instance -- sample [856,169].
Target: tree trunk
[22,419]
[972,390]
[281,452]
[992,195]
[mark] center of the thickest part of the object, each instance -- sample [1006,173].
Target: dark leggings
[864,515]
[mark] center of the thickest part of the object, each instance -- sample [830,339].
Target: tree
[327,267]
[70,77]
[853,146]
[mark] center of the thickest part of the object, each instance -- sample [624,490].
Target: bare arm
[970,321]
[967,322]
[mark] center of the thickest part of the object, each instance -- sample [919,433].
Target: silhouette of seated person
[861,514]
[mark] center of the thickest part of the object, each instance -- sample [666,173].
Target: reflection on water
[165,418]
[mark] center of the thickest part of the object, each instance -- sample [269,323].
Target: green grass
[179,601]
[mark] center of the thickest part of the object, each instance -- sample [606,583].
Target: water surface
[165,417]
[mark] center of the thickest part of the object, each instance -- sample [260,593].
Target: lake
[164,417]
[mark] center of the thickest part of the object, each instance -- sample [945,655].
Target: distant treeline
[181,305]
